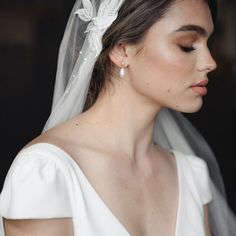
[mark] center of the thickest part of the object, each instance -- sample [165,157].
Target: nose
[211,64]
[207,63]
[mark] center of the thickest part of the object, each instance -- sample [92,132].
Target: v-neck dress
[44,182]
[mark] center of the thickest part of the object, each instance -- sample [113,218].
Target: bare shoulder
[44,227]
[70,136]
[60,135]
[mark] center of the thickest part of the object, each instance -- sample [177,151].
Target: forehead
[187,12]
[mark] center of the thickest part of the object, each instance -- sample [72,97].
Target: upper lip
[201,83]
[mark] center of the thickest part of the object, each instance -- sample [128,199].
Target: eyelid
[187,49]
[186,43]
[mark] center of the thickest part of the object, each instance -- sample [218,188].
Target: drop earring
[122,71]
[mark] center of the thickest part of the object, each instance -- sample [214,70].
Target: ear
[121,54]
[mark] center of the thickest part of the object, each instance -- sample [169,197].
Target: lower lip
[200,90]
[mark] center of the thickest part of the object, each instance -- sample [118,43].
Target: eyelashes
[186,49]
[186,46]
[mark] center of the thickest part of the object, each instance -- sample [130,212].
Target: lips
[200,88]
[201,84]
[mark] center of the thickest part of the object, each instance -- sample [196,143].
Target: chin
[193,109]
[190,108]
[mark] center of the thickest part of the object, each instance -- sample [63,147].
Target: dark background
[30,35]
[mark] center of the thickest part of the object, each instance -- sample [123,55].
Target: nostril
[211,66]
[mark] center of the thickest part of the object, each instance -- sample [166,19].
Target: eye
[186,49]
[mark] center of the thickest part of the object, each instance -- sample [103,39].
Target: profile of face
[174,56]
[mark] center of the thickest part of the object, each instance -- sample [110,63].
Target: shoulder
[55,136]
[68,136]
[55,142]
[37,185]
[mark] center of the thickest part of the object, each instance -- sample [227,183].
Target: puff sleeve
[201,178]
[35,188]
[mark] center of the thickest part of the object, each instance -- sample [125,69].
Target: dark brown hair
[135,18]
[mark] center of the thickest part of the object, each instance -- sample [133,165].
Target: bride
[116,157]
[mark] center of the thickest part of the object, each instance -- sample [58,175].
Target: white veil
[77,56]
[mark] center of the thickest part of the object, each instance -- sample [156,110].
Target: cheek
[162,68]
[167,62]
[164,74]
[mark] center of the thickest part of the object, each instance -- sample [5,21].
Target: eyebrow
[195,28]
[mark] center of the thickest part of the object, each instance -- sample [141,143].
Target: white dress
[45,182]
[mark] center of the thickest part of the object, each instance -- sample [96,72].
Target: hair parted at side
[135,18]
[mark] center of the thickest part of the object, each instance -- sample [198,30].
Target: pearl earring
[122,71]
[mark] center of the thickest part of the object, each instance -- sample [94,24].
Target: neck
[127,119]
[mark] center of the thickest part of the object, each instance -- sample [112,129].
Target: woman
[109,170]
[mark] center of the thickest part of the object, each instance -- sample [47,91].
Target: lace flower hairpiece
[98,23]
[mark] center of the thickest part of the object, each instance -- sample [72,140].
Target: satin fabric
[45,182]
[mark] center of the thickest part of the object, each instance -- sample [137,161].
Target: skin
[113,139]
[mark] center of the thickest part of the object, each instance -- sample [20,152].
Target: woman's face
[174,57]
